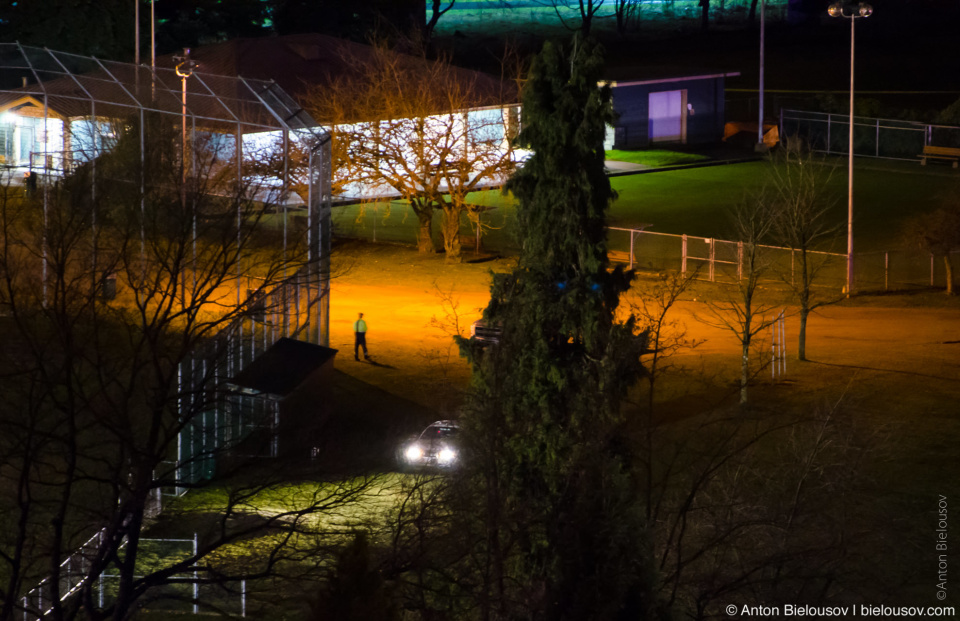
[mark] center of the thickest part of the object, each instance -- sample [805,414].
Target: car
[485,332]
[435,447]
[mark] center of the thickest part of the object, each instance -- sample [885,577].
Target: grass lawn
[698,201]
[894,369]
[655,157]
[695,201]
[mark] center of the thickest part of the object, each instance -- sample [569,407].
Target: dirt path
[400,293]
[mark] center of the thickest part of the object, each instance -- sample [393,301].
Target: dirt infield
[411,301]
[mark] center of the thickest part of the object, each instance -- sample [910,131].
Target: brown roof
[73,86]
[298,63]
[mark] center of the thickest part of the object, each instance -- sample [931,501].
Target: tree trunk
[745,368]
[804,302]
[802,343]
[425,230]
[704,15]
[451,232]
[949,268]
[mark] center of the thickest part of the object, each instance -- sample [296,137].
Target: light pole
[184,68]
[763,6]
[851,12]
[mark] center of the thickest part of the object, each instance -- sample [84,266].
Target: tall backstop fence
[207,199]
[872,137]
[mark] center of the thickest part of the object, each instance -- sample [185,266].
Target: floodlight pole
[136,32]
[184,69]
[153,38]
[851,12]
[762,52]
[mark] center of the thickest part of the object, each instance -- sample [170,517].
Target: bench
[942,153]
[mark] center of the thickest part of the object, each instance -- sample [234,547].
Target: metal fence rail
[189,595]
[872,137]
[721,261]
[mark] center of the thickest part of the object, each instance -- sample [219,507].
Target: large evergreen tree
[558,493]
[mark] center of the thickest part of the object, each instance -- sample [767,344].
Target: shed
[287,387]
[668,111]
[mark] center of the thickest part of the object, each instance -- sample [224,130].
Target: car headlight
[413,453]
[446,456]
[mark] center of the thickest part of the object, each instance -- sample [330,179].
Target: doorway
[668,116]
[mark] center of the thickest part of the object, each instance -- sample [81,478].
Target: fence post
[713,257]
[877,150]
[829,127]
[631,248]
[783,343]
[196,585]
[886,270]
[243,598]
[683,254]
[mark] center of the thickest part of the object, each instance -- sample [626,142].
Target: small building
[236,94]
[668,111]
[285,392]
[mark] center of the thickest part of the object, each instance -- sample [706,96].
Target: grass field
[894,370]
[696,201]
[655,157]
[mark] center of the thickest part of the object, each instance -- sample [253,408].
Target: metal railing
[75,573]
[872,137]
[722,261]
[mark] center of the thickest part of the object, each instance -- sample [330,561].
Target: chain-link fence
[722,261]
[714,259]
[872,137]
[187,592]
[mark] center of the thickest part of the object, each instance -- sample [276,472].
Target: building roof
[283,367]
[257,83]
[683,77]
[301,62]
[70,86]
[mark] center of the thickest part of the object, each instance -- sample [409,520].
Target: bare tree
[437,10]
[421,129]
[118,308]
[743,313]
[666,337]
[587,10]
[627,14]
[937,233]
[801,203]
[743,523]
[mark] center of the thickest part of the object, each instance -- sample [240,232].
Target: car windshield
[439,432]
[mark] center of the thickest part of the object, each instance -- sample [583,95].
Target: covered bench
[941,153]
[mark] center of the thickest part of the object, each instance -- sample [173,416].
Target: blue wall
[704,125]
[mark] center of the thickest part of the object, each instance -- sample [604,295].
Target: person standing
[359,337]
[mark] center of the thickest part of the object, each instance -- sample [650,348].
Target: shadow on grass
[882,370]
[374,363]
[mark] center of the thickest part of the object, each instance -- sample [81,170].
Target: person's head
[359,315]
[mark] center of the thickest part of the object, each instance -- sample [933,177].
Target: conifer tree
[544,422]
